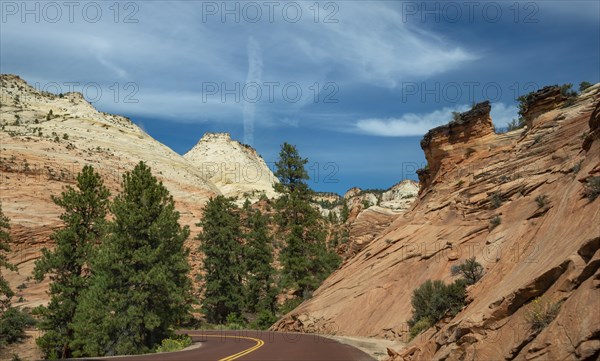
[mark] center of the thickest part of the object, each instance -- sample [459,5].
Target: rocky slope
[45,141]
[235,168]
[547,250]
[369,212]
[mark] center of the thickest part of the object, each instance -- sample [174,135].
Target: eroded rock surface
[548,251]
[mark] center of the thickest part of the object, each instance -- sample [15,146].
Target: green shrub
[65,136]
[541,200]
[496,200]
[13,324]
[495,222]
[289,305]
[235,322]
[175,343]
[592,188]
[541,313]
[584,85]
[471,270]
[515,124]
[421,325]
[434,300]
[264,320]
[567,90]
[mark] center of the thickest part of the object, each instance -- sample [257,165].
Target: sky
[353,84]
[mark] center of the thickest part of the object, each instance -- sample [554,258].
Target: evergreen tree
[261,293]
[139,288]
[220,243]
[12,320]
[84,217]
[305,259]
[6,293]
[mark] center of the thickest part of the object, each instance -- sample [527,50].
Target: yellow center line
[258,345]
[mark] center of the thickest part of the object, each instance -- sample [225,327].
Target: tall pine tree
[6,293]
[261,291]
[84,217]
[220,242]
[13,321]
[139,288]
[305,259]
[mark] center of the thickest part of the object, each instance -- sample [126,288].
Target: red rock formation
[549,251]
[439,144]
[542,101]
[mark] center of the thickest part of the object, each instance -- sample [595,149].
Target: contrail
[255,65]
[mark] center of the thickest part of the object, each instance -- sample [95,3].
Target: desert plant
[50,115]
[471,270]
[567,90]
[420,326]
[577,167]
[65,136]
[460,183]
[541,200]
[496,200]
[176,343]
[495,222]
[434,300]
[537,139]
[592,188]
[515,124]
[13,323]
[455,116]
[541,313]
[584,85]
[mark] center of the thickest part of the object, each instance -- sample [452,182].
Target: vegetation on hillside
[13,321]
[434,300]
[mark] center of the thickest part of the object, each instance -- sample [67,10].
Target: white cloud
[255,68]
[412,124]
[502,114]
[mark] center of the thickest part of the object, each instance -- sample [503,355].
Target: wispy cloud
[413,124]
[255,65]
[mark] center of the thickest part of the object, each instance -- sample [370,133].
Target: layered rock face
[235,168]
[455,141]
[541,101]
[539,250]
[45,141]
[370,212]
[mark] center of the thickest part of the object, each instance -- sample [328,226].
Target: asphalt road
[258,346]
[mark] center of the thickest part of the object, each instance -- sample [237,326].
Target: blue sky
[354,84]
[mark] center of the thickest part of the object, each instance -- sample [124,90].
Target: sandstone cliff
[369,212]
[45,141]
[235,168]
[548,250]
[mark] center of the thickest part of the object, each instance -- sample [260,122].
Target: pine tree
[305,259]
[84,218]
[139,287]
[220,243]
[13,321]
[261,292]
[6,293]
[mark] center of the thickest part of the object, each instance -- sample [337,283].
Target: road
[258,346]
